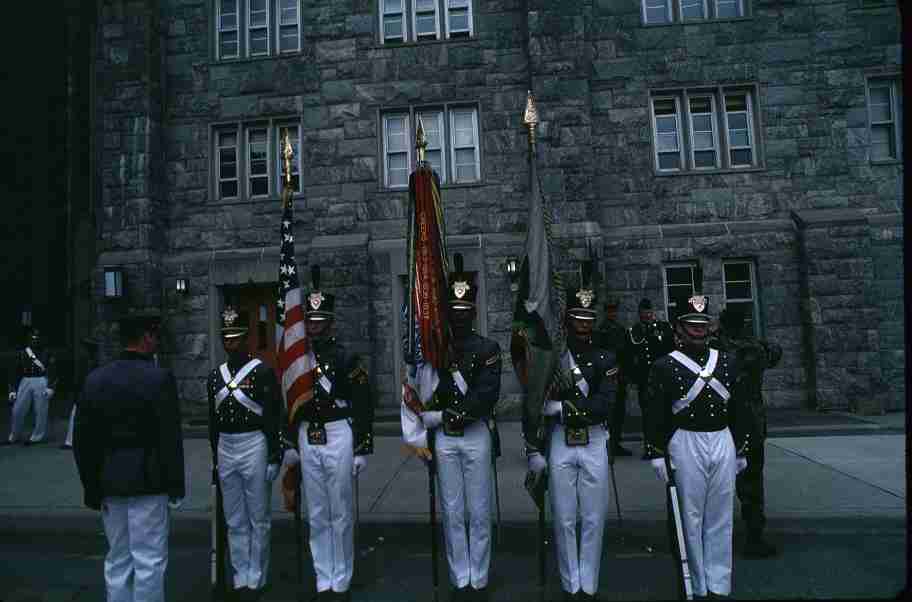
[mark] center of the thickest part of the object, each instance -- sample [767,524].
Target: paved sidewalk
[850,466]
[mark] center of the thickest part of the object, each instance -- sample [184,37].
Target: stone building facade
[759,138]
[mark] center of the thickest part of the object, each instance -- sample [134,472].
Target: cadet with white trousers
[34,381]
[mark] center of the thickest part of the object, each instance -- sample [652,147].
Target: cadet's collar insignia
[585,296]
[315,300]
[229,316]
[460,288]
[698,302]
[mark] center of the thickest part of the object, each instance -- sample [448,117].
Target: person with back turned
[130,456]
[754,357]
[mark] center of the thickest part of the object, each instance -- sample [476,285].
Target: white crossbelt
[35,360]
[704,377]
[232,386]
[581,383]
[460,382]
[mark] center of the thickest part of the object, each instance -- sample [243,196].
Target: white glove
[552,408]
[658,465]
[740,464]
[49,393]
[432,419]
[291,458]
[537,462]
[12,396]
[175,503]
[272,471]
[358,465]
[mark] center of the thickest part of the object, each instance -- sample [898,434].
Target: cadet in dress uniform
[466,397]
[578,470]
[754,356]
[130,455]
[647,340]
[244,416]
[33,382]
[334,432]
[699,418]
[612,336]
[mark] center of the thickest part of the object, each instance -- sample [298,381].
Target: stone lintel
[822,218]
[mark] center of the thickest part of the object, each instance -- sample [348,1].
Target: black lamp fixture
[113,282]
[182,286]
[27,317]
[511,267]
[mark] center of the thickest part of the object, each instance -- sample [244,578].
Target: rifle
[676,532]
[432,497]
[299,548]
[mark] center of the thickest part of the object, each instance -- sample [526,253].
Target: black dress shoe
[715,596]
[460,594]
[568,597]
[618,450]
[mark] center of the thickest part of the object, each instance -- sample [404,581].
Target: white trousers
[464,476]
[578,481]
[326,482]
[137,532]
[246,498]
[69,435]
[32,391]
[704,465]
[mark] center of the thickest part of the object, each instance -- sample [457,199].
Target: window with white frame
[679,284]
[257,19]
[416,20]
[704,129]
[740,291]
[657,12]
[453,144]
[248,160]
[884,111]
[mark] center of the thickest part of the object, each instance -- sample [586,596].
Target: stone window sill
[708,172]
[445,186]
[698,22]
[260,200]
[253,59]
[415,44]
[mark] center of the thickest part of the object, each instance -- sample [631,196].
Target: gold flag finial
[530,117]
[287,155]
[420,141]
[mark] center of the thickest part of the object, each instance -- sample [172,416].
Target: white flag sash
[35,360]
[232,384]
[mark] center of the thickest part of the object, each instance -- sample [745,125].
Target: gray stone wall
[591,65]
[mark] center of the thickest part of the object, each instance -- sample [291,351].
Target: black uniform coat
[262,386]
[24,367]
[478,360]
[754,357]
[647,342]
[128,438]
[599,367]
[349,380]
[670,381]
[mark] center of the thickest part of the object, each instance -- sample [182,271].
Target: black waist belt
[701,426]
[326,414]
[577,422]
[235,429]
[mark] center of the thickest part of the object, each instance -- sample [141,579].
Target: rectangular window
[704,152]
[678,284]
[257,162]
[738,119]
[668,134]
[453,148]
[425,19]
[740,291]
[227,165]
[716,131]
[884,109]
[464,131]
[398,144]
[227,17]
[657,11]
[294,140]
[693,10]
[432,122]
[459,18]
[729,9]
[392,19]
[289,26]
[258,27]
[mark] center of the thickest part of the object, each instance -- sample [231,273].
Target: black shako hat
[318,305]
[581,301]
[234,323]
[462,290]
[694,309]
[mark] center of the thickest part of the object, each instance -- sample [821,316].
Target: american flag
[296,359]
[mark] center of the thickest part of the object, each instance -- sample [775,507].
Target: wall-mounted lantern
[26,317]
[511,267]
[113,282]
[182,286]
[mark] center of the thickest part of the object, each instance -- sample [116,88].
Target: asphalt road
[57,559]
